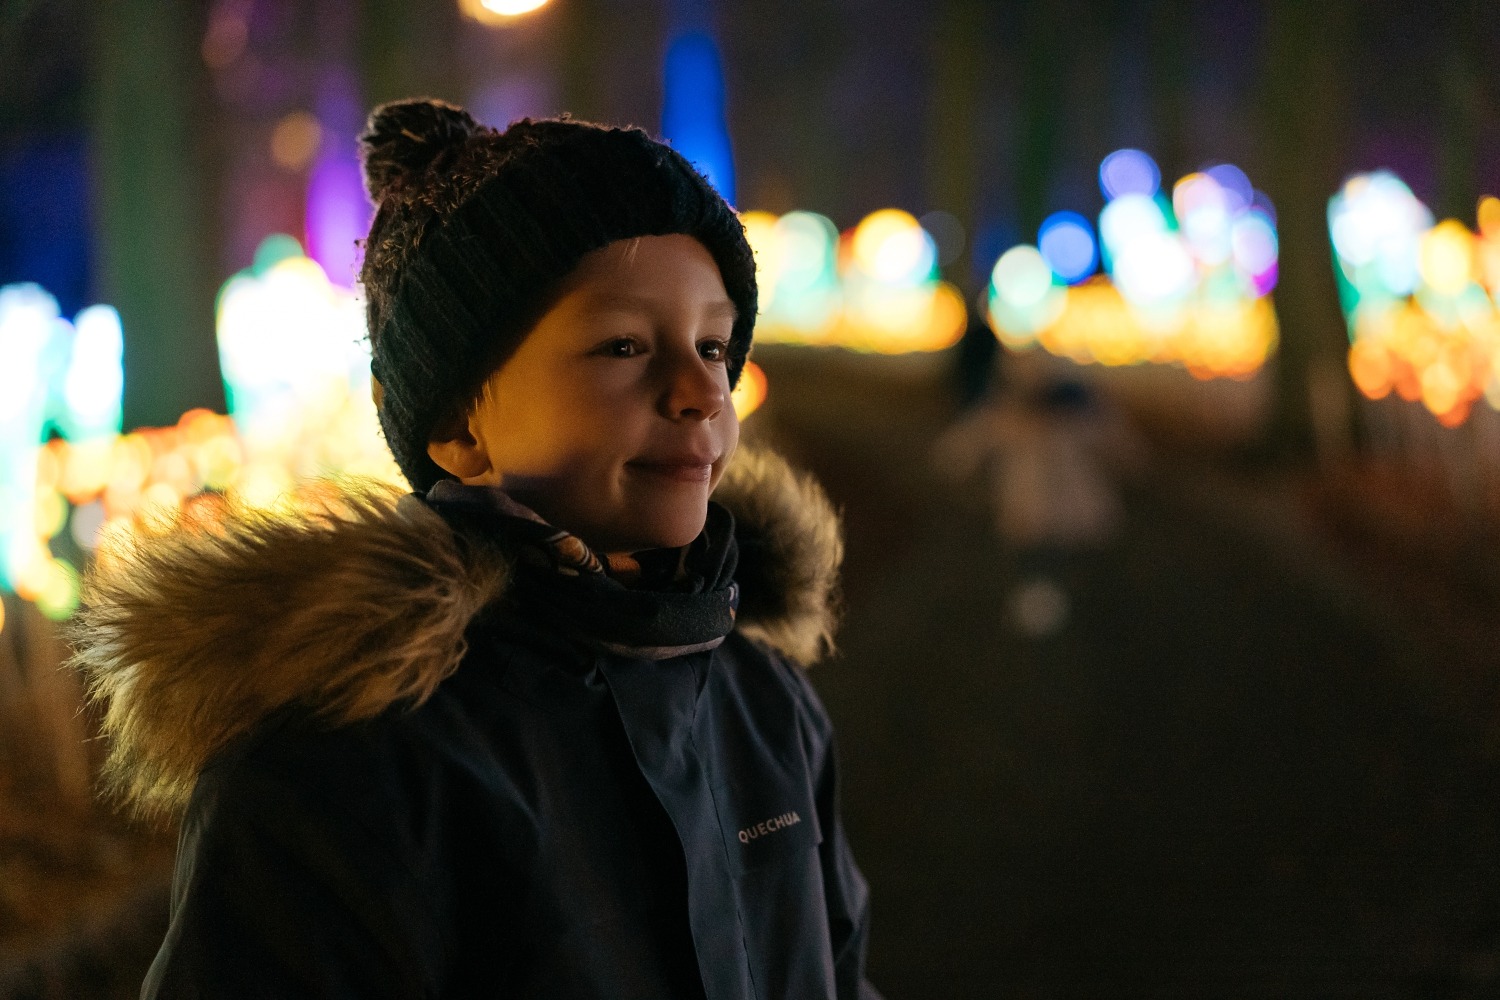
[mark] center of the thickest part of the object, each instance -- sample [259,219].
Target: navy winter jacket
[443,797]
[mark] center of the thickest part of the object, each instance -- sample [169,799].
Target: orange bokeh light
[750,391]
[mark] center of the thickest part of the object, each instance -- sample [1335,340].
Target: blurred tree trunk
[1460,118]
[1042,81]
[156,208]
[957,61]
[819,179]
[1305,122]
[583,38]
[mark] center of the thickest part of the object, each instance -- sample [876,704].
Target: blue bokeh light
[1129,171]
[1067,242]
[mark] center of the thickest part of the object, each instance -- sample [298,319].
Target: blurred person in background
[1051,448]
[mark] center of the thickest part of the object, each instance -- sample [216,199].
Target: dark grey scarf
[653,605]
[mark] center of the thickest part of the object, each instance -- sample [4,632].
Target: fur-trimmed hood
[189,637]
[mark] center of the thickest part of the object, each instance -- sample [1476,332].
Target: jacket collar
[191,637]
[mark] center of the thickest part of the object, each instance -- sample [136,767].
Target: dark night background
[1255,749]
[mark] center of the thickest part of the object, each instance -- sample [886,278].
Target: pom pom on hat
[404,138]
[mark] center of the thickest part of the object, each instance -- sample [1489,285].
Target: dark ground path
[1231,774]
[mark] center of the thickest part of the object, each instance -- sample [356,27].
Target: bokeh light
[1489,217]
[1239,193]
[1067,242]
[295,140]
[1186,279]
[892,248]
[875,288]
[498,12]
[1376,225]
[56,377]
[94,385]
[750,391]
[692,114]
[1420,299]
[1129,171]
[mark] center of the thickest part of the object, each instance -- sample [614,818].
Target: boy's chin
[665,534]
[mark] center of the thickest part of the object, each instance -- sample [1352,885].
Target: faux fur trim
[791,548]
[189,637]
[193,633]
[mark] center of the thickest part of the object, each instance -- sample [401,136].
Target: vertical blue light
[692,114]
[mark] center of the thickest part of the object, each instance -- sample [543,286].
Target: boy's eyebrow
[641,303]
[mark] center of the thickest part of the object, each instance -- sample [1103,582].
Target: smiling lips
[678,468]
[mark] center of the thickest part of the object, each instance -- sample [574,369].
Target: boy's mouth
[685,468]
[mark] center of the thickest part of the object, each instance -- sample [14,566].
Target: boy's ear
[455,449]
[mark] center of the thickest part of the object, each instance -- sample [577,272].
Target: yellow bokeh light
[27,568]
[295,140]
[49,464]
[51,513]
[760,233]
[1489,266]
[510,8]
[891,247]
[174,469]
[1446,257]
[1489,217]
[1211,338]
[129,463]
[86,470]
[496,12]
[947,319]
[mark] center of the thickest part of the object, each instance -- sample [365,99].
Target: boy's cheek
[731,445]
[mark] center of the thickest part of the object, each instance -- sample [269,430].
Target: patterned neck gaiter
[650,605]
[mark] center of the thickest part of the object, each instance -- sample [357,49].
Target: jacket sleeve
[276,895]
[844,888]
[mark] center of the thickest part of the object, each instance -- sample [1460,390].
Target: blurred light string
[875,288]
[1186,278]
[1422,300]
[56,378]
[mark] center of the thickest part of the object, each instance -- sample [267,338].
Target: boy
[531,731]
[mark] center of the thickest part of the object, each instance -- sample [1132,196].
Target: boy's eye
[714,350]
[621,347]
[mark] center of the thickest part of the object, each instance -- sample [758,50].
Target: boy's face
[612,419]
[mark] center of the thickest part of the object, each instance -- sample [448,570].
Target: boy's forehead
[636,300]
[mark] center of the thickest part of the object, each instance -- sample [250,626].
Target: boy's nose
[695,389]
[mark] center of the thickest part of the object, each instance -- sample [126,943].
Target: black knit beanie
[476,229]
